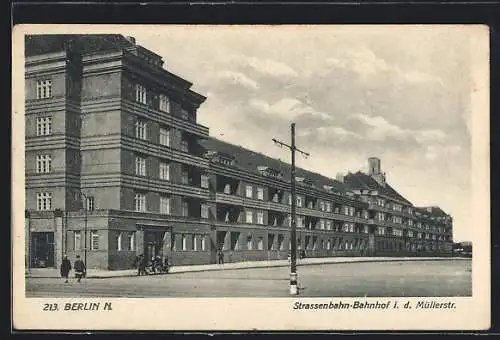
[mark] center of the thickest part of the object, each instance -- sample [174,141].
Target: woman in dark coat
[65,268]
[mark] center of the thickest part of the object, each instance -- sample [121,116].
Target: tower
[374,170]
[373,166]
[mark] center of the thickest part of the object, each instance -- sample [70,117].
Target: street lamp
[27,215]
[85,207]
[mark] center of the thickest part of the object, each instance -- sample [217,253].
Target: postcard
[251,177]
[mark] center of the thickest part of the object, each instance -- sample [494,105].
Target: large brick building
[117,165]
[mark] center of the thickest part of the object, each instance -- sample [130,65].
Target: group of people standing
[79,267]
[157,265]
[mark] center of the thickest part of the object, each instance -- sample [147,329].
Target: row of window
[125,241]
[399,233]
[140,205]
[44,90]
[258,244]
[394,219]
[164,103]
[44,202]
[141,132]
[190,242]
[164,172]
[323,205]
[430,228]
[44,165]
[395,206]
[78,240]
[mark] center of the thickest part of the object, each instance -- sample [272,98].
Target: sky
[398,93]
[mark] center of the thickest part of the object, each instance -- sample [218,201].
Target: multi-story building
[252,208]
[116,166]
[396,223]
[434,230]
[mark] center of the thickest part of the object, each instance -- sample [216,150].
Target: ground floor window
[260,243]
[119,242]
[131,240]
[235,237]
[249,242]
[203,242]
[195,242]
[94,240]
[281,242]
[270,241]
[77,240]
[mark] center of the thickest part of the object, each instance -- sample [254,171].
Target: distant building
[397,225]
[116,164]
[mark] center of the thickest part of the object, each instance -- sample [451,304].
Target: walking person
[80,269]
[65,268]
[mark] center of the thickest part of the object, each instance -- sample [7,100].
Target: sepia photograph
[333,169]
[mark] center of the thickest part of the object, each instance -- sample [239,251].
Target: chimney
[131,39]
[340,177]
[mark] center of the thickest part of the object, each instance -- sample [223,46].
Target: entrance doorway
[220,239]
[42,250]
[153,244]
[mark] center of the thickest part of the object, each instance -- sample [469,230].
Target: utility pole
[293,237]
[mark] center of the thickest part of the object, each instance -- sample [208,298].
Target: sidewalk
[101,274]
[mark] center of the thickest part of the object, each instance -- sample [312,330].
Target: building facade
[116,165]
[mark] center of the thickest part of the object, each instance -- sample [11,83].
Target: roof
[83,43]
[249,160]
[432,211]
[361,180]
[91,43]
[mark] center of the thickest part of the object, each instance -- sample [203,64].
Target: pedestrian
[80,269]
[221,256]
[166,265]
[141,265]
[65,268]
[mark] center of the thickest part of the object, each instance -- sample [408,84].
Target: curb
[182,271]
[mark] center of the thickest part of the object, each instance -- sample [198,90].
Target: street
[396,279]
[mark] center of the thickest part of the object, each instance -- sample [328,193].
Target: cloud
[379,129]
[369,67]
[430,136]
[336,63]
[365,63]
[414,76]
[288,108]
[263,66]
[271,67]
[238,78]
[326,133]
[431,153]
